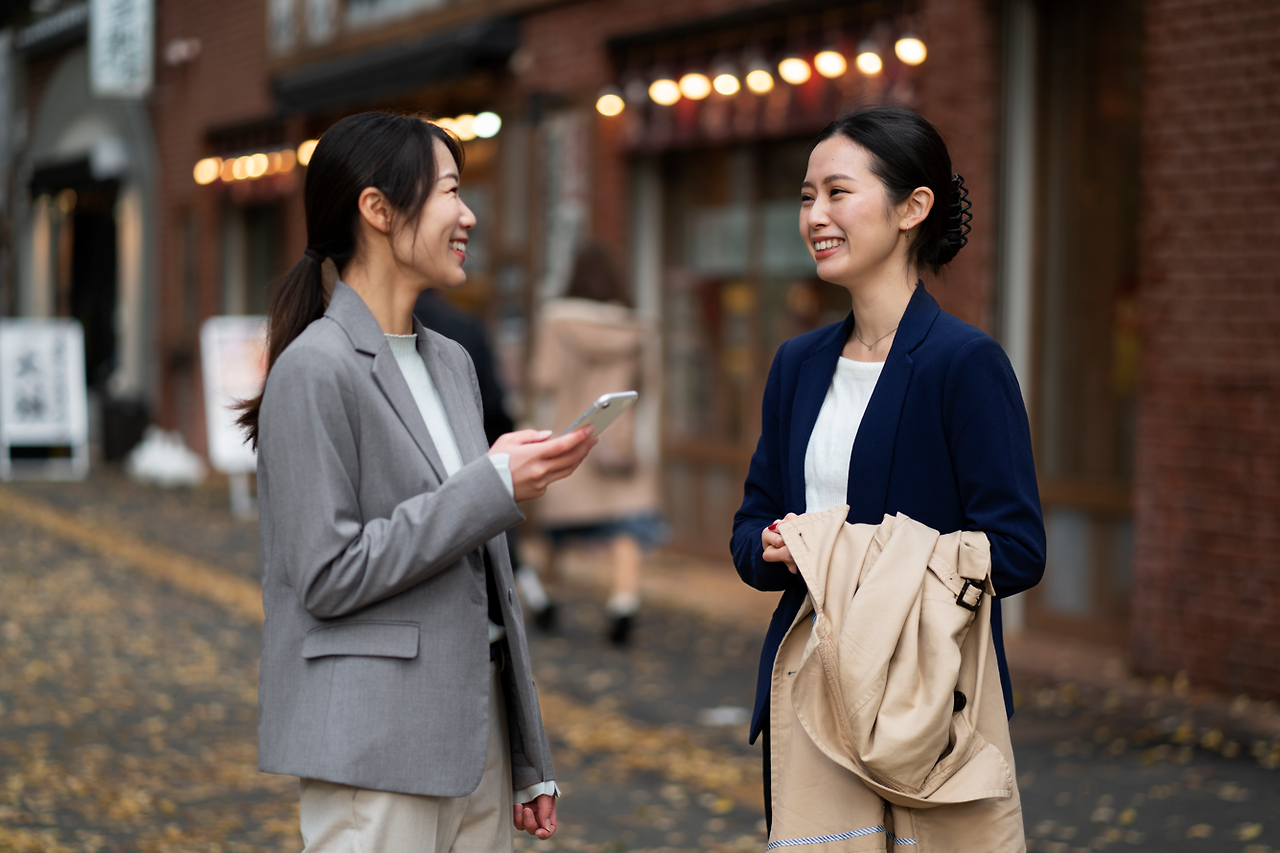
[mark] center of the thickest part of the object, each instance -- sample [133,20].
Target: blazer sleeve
[337,560]
[762,500]
[989,439]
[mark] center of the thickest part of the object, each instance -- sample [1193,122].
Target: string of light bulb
[666,89]
[468,127]
[251,167]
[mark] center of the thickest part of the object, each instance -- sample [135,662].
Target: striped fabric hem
[904,841]
[823,839]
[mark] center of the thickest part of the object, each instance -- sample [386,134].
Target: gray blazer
[375,654]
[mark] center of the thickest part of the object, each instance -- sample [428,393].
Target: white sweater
[826,460]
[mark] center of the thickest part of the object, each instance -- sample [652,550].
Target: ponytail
[296,303]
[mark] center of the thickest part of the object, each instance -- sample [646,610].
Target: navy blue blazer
[945,439]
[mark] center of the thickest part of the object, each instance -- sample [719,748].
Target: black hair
[595,277]
[907,152]
[393,153]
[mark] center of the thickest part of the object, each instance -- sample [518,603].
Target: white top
[826,460]
[425,394]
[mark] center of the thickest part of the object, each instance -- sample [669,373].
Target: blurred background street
[128,669]
[1123,161]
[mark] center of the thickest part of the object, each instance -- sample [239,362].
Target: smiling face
[434,251]
[846,219]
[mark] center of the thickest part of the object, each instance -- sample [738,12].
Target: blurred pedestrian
[589,343]
[467,329]
[899,408]
[395,675]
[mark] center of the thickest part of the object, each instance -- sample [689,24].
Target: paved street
[128,669]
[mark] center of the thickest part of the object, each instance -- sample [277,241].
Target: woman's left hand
[538,818]
[775,547]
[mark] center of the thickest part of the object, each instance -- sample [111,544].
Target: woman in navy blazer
[944,437]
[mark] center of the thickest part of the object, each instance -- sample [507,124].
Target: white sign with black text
[43,399]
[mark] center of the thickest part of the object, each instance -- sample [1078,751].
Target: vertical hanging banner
[121,47]
[43,400]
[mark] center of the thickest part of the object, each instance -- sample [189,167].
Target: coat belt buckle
[964,590]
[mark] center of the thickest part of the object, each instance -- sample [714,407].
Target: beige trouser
[341,819]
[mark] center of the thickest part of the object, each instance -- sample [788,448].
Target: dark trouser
[768,778]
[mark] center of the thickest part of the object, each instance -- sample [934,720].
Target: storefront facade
[1071,123]
[82,212]
[1119,251]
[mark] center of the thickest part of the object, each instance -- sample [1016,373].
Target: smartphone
[604,411]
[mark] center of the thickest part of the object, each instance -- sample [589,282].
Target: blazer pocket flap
[373,639]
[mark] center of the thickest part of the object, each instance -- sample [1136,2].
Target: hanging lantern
[910,49]
[664,91]
[726,80]
[868,60]
[830,63]
[759,79]
[609,102]
[695,86]
[794,70]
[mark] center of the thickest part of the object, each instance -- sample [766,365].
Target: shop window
[369,13]
[738,282]
[1086,375]
[251,262]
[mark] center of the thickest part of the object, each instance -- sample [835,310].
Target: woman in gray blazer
[395,675]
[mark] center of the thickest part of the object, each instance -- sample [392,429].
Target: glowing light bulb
[695,86]
[288,160]
[257,165]
[610,103]
[664,91]
[306,149]
[869,63]
[487,125]
[910,50]
[465,126]
[830,63]
[760,81]
[726,84]
[240,168]
[207,170]
[794,70]
[228,170]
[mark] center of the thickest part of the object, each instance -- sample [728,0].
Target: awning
[400,67]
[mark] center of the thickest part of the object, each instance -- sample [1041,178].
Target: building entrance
[82,257]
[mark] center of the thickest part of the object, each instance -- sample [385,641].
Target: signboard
[121,47]
[233,351]
[43,399]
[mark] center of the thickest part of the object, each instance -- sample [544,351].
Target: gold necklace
[876,341]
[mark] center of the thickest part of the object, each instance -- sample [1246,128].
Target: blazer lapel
[456,395]
[811,390]
[348,310]
[872,456]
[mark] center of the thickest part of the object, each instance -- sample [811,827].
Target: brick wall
[1207,490]
[226,85]
[960,94]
